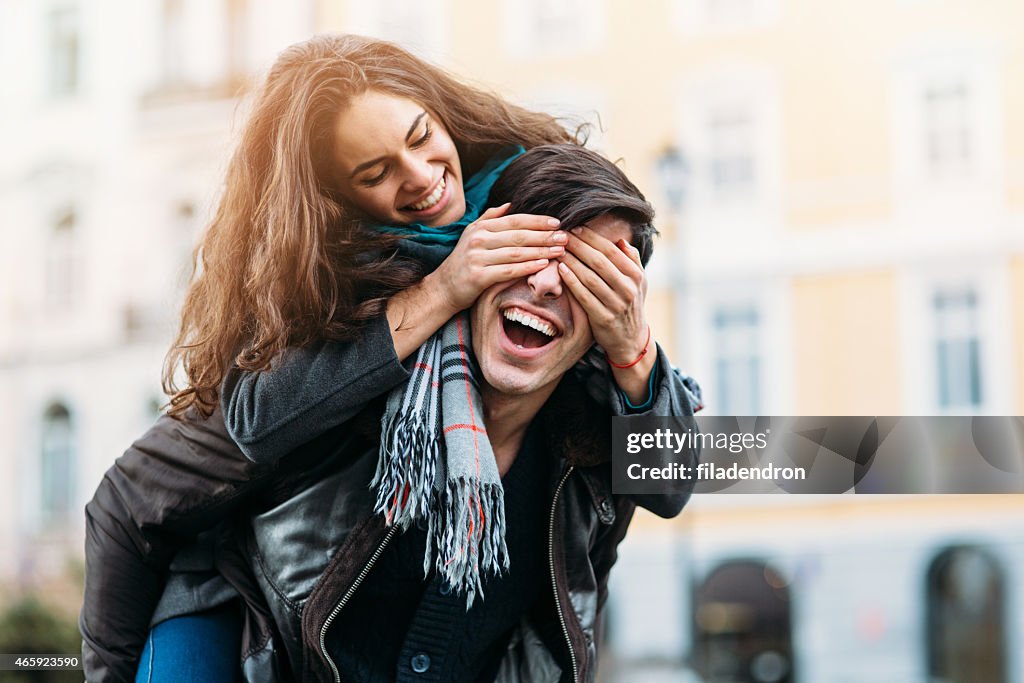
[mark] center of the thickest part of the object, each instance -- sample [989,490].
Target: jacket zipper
[348,596]
[554,579]
[387,539]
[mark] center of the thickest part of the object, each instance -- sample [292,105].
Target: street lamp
[673,172]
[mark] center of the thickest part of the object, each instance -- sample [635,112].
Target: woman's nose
[546,283]
[419,175]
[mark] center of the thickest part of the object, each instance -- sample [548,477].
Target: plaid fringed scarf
[451,482]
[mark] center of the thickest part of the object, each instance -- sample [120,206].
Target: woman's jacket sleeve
[180,478]
[308,390]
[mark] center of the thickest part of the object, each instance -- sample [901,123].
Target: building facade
[118,118]
[840,190]
[841,195]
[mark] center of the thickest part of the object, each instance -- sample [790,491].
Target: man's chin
[511,381]
[510,387]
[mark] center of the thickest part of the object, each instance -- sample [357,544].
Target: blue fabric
[646,405]
[194,649]
[476,190]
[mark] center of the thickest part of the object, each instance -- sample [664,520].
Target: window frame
[918,187]
[585,36]
[751,331]
[55,507]
[758,213]
[697,18]
[917,286]
[943,560]
[425,35]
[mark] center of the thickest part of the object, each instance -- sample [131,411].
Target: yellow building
[850,236]
[840,189]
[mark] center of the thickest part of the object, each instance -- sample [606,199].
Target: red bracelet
[638,358]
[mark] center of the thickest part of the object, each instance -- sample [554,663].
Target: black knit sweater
[400,626]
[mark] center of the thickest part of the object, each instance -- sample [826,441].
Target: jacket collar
[577,427]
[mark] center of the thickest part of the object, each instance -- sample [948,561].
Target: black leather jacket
[299,537]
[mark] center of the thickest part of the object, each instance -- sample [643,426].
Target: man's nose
[546,283]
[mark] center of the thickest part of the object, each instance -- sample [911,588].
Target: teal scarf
[476,190]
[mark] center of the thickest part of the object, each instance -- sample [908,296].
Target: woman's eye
[375,180]
[423,140]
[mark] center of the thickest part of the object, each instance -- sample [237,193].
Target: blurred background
[840,191]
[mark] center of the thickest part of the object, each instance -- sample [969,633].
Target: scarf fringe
[436,465]
[469,534]
[406,469]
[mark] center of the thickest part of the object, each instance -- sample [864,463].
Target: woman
[290,263]
[289,258]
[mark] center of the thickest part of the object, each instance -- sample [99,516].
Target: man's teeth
[531,322]
[433,199]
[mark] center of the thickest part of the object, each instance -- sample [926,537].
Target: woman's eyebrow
[373,162]
[414,126]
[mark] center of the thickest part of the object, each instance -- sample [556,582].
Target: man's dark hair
[575,185]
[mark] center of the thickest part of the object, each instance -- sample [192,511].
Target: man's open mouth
[526,331]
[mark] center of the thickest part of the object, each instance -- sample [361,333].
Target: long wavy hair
[284,260]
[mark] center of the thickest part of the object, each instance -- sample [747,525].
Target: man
[336,593]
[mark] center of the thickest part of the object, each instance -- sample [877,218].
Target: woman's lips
[442,202]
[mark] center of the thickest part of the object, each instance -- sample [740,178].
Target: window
[731,152]
[402,21]
[730,127]
[742,629]
[184,225]
[236,39]
[173,42]
[546,27]
[672,170]
[696,17]
[947,117]
[948,130]
[957,349]
[204,46]
[57,464]
[966,638]
[60,261]
[737,360]
[729,11]
[553,19]
[63,51]
[416,25]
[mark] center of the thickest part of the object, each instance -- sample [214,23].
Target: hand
[609,281]
[497,248]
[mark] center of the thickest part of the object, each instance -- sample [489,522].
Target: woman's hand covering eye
[498,248]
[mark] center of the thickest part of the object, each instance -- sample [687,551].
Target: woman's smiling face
[396,162]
